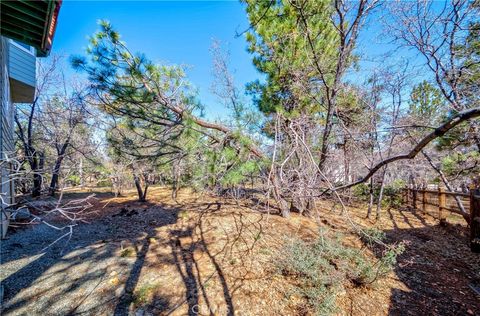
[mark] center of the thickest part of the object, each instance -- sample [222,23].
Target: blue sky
[182,32]
[168,32]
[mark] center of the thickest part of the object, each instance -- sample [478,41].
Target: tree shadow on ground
[438,270]
[95,274]
[184,242]
[99,193]
[201,252]
[61,279]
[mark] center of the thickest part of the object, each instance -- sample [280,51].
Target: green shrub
[372,235]
[143,295]
[73,180]
[321,268]
[127,252]
[391,193]
[104,183]
[361,191]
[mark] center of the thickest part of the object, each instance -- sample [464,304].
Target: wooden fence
[442,204]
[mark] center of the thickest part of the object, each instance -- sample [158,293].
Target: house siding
[7,142]
[22,65]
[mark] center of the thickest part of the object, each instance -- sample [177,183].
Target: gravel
[84,276]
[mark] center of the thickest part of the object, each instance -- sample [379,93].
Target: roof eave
[32,23]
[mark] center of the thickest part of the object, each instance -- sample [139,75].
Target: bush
[73,180]
[391,193]
[323,267]
[372,235]
[361,191]
[104,183]
[144,294]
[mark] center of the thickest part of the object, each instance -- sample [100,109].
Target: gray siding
[5,86]
[22,65]
[7,128]
[7,143]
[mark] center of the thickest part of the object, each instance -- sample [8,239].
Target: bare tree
[437,30]
[61,123]
[348,19]
[25,116]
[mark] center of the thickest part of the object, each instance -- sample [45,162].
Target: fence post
[475,219]
[442,201]
[424,200]
[414,199]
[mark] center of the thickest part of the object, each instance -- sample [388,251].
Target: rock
[41,204]
[140,312]
[22,214]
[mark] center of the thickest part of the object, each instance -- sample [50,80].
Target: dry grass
[215,257]
[223,256]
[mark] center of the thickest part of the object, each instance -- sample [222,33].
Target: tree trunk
[175,184]
[145,192]
[370,203]
[325,137]
[55,175]
[380,198]
[297,205]
[380,194]
[37,184]
[346,162]
[80,172]
[58,164]
[37,165]
[310,206]
[138,185]
[53,183]
[281,202]
[283,205]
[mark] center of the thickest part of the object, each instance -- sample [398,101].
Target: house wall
[7,143]
[22,65]
[21,72]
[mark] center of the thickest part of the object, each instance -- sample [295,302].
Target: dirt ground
[203,255]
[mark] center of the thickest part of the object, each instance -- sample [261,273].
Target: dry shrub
[320,269]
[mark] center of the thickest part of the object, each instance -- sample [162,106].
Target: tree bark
[56,169]
[175,184]
[38,163]
[138,184]
[370,203]
[281,202]
[80,172]
[37,185]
